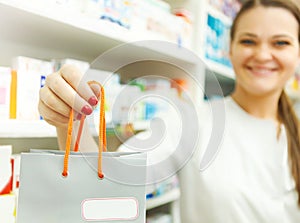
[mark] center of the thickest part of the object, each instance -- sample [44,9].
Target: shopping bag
[46,196]
[72,187]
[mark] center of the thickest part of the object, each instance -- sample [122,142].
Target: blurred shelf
[214,67]
[26,129]
[202,47]
[37,31]
[41,129]
[168,197]
[43,32]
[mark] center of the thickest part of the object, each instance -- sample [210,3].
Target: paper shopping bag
[45,196]
[72,187]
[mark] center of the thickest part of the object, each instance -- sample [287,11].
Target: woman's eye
[281,43]
[247,42]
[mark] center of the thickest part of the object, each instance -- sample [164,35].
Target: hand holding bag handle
[101,136]
[106,195]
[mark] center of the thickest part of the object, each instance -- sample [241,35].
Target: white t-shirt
[248,181]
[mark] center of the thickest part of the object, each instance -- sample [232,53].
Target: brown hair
[286,112]
[290,5]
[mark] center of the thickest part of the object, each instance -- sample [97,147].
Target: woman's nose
[263,52]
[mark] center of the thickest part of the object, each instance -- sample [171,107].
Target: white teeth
[261,71]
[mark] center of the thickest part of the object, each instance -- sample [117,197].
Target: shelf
[168,197]
[26,129]
[40,129]
[202,35]
[39,31]
[219,69]
[45,33]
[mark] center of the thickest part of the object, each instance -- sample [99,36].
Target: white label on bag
[99,209]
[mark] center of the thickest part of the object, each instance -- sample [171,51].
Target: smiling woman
[255,177]
[264,57]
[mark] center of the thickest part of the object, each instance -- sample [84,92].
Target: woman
[255,176]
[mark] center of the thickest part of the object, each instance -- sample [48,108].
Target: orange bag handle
[101,136]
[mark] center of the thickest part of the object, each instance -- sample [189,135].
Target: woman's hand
[64,90]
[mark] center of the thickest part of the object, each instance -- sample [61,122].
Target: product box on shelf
[115,11]
[5,82]
[7,185]
[293,86]
[228,7]
[7,208]
[31,74]
[83,66]
[70,5]
[155,18]
[149,19]
[5,169]
[54,5]
[217,40]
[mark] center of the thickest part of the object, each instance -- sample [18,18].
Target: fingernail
[87,110]
[78,117]
[93,101]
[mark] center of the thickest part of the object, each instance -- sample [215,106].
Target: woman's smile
[262,71]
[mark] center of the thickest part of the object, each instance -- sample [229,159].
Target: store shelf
[45,33]
[204,31]
[38,31]
[220,69]
[40,129]
[119,129]
[26,129]
[168,197]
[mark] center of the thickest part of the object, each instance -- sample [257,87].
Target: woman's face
[265,50]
